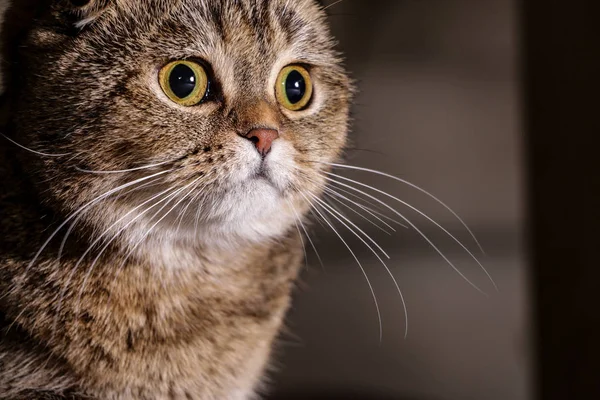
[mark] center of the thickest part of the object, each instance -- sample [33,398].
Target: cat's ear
[66,13]
[82,12]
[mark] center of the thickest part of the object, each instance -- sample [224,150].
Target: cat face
[203,120]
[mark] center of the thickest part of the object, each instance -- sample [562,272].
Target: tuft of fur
[147,251]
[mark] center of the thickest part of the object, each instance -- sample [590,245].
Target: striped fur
[184,302]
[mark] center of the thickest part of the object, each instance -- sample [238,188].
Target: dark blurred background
[438,105]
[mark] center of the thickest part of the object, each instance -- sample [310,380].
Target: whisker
[299,219]
[469,252]
[318,219]
[413,226]
[39,153]
[328,191]
[332,4]
[125,170]
[334,211]
[199,208]
[412,185]
[312,244]
[369,210]
[133,210]
[73,224]
[85,207]
[376,255]
[301,238]
[181,214]
[333,197]
[461,244]
[357,261]
[374,208]
[192,200]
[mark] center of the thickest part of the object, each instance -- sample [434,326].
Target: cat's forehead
[256,29]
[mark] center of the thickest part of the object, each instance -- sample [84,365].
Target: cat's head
[205,119]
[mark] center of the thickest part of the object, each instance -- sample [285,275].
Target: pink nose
[263,139]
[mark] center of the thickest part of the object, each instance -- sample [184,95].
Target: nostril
[263,139]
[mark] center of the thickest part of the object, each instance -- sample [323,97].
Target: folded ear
[84,11]
[73,13]
[55,17]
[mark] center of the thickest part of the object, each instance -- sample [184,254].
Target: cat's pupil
[295,87]
[182,81]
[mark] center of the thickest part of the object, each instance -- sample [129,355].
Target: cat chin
[255,208]
[255,213]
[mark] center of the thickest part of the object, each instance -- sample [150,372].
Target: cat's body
[173,286]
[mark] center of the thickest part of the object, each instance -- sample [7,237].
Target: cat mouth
[261,172]
[262,175]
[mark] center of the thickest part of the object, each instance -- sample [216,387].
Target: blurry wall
[438,97]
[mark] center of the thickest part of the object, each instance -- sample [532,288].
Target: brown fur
[172,308]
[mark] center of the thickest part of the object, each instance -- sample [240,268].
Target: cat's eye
[184,82]
[294,88]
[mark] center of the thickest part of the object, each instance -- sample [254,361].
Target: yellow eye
[184,82]
[294,87]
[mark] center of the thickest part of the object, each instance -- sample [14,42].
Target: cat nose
[262,139]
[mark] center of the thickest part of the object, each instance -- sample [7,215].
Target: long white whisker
[332,4]
[182,213]
[39,153]
[336,203]
[411,225]
[357,261]
[334,211]
[125,216]
[312,244]
[318,219]
[301,238]
[198,212]
[412,185]
[334,198]
[469,252]
[372,210]
[374,207]
[306,233]
[124,170]
[85,207]
[374,252]
[74,223]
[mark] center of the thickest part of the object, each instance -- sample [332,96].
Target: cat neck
[141,332]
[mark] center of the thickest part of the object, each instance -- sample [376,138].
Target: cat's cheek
[280,165]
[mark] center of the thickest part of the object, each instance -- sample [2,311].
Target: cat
[156,158]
